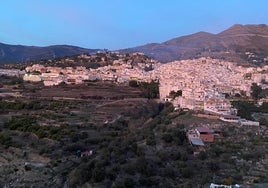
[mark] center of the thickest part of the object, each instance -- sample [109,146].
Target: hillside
[231,44]
[19,53]
[101,134]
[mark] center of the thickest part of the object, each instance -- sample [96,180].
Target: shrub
[133,83]
[187,172]
[227,181]
[202,155]
[5,139]
[150,141]
[130,169]
[167,138]
[27,168]
[98,174]
[129,182]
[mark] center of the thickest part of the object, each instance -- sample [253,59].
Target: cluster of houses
[205,82]
[12,72]
[120,71]
[55,75]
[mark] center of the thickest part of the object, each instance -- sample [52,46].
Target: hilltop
[240,43]
[20,53]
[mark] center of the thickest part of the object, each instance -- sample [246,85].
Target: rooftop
[197,142]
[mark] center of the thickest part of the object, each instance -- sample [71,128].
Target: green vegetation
[246,109]
[29,124]
[5,139]
[133,83]
[19,105]
[256,91]
[175,94]
[150,90]
[10,80]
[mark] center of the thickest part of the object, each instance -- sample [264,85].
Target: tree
[202,155]
[187,172]
[243,93]
[150,90]
[167,137]
[133,83]
[98,174]
[255,91]
[175,94]
[179,93]
[245,109]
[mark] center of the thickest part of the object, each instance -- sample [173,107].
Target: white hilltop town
[201,84]
[205,81]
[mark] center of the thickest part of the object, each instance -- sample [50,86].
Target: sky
[118,24]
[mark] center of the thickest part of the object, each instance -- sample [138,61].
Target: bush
[202,155]
[150,90]
[130,169]
[167,138]
[227,181]
[255,91]
[179,136]
[29,124]
[27,168]
[146,182]
[129,182]
[98,174]
[5,139]
[151,141]
[187,172]
[245,109]
[175,94]
[133,83]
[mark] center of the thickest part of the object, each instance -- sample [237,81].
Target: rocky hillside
[239,43]
[19,53]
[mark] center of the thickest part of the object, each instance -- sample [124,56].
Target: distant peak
[237,26]
[203,33]
[200,34]
[240,26]
[259,29]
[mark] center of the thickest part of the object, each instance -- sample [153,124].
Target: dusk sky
[116,24]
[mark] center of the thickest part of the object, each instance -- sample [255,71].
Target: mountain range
[240,43]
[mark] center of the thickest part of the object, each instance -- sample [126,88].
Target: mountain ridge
[230,44]
[21,53]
